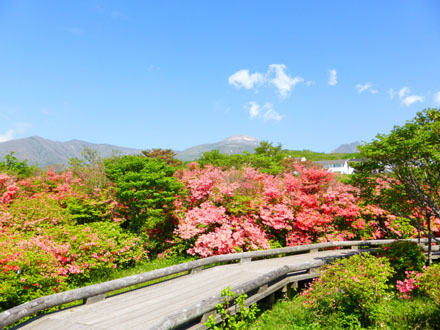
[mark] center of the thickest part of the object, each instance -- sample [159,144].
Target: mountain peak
[347,148]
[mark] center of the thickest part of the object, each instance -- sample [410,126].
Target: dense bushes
[225,211]
[353,286]
[404,257]
[46,245]
[357,293]
[57,229]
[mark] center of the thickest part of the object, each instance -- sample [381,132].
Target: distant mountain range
[235,144]
[44,152]
[347,148]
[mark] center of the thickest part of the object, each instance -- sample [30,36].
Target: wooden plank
[145,306]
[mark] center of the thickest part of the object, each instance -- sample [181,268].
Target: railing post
[195,270]
[94,299]
[245,260]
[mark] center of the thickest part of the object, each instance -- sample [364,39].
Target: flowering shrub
[404,256]
[410,283]
[53,235]
[352,286]
[225,211]
[429,283]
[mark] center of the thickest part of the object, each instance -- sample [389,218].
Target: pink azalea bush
[233,210]
[47,246]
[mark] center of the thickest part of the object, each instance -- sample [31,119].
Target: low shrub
[429,283]
[352,286]
[404,256]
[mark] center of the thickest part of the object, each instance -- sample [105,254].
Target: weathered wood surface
[160,306]
[95,293]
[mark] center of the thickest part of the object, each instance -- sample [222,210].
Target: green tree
[167,155]
[20,168]
[401,171]
[147,187]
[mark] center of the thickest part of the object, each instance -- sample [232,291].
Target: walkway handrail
[205,306]
[97,292]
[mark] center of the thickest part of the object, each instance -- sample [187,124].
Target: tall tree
[167,155]
[147,189]
[401,171]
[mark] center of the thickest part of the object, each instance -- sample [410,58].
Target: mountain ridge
[44,152]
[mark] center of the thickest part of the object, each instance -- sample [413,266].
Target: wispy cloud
[253,108]
[403,91]
[411,99]
[437,98]
[270,113]
[267,112]
[309,83]
[391,93]
[333,77]
[10,134]
[246,80]
[275,76]
[363,88]
[408,100]
[366,87]
[281,80]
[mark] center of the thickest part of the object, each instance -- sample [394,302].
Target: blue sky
[173,74]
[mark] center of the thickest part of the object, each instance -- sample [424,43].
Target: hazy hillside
[43,152]
[347,148]
[235,144]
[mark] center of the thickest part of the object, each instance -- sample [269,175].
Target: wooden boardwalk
[144,308]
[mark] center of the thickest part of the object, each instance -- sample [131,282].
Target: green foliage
[352,286]
[403,256]
[392,314]
[147,190]
[239,320]
[267,158]
[402,314]
[429,283]
[167,155]
[12,165]
[90,171]
[401,170]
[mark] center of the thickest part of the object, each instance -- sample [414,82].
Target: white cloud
[410,99]
[254,109]
[275,76]
[270,113]
[437,98]
[242,78]
[282,81]
[392,93]
[366,87]
[309,83]
[403,91]
[9,135]
[267,112]
[363,88]
[333,77]
[20,128]
[406,99]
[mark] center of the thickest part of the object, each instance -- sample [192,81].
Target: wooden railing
[97,292]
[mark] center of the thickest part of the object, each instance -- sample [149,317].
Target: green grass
[112,274]
[396,314]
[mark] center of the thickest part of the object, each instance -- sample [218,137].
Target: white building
[340,166]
